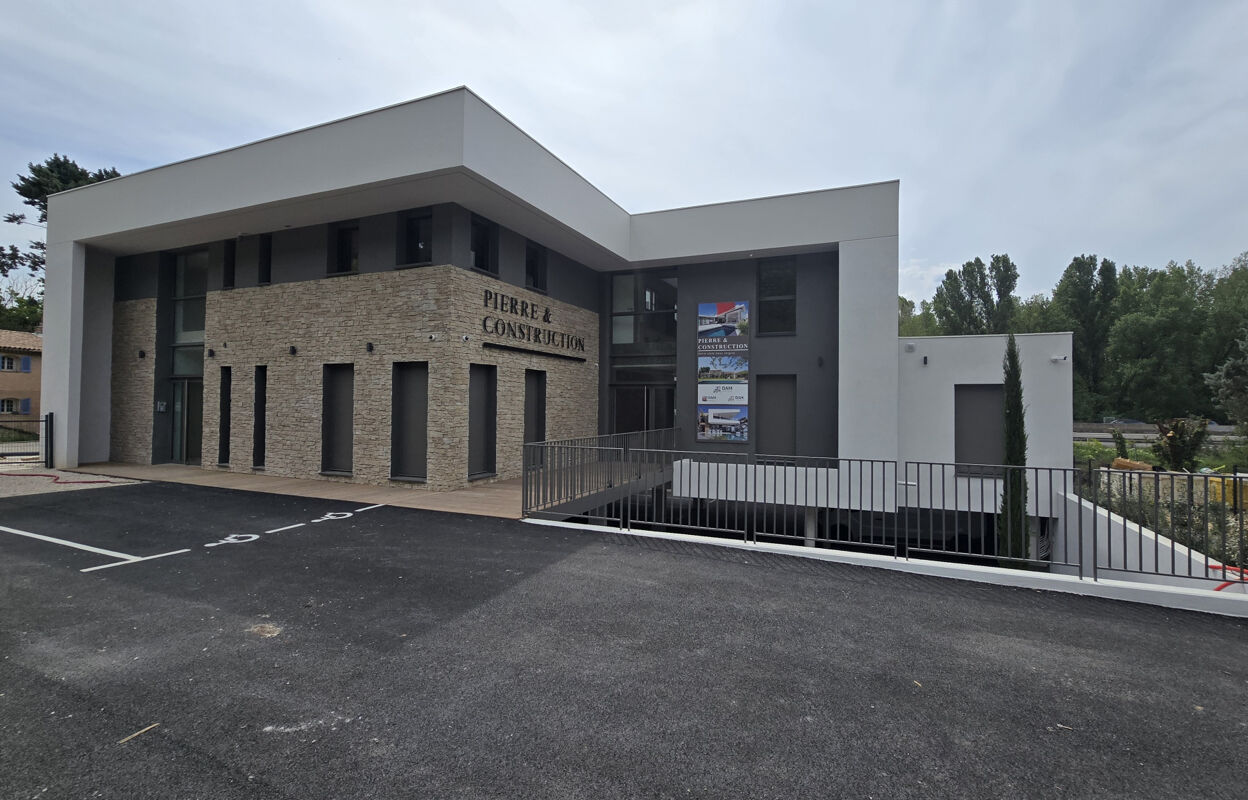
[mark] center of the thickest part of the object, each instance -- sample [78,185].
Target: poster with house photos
[723,372]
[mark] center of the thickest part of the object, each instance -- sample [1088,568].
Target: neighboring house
[409,294]
[20,375]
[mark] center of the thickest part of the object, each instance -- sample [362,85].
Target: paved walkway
[499,499]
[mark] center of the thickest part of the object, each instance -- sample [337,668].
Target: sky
[1039,129]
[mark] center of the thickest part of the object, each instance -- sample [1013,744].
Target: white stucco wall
[867,351]
[925,400]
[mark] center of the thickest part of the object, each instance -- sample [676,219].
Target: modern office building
[409,294]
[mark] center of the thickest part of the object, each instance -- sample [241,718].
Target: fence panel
[23,438]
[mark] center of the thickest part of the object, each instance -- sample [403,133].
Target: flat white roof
[447,147]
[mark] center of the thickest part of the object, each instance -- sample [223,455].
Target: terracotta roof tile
[21,341]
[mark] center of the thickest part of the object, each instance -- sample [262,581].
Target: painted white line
[86,547]
[287,528]
[369,508]
[133,560]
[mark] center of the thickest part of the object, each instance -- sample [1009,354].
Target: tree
[55,174]
[1155,356]
[1085,297]
[19,312]
[1012,533]
[978,298]
[1229,382]
[912,324]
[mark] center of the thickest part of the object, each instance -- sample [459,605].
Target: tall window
[777,296]
[265,272]
[535,266]
[190,289]
[416,242]
[484,242]
[8,363]
[227,265]
[346,248]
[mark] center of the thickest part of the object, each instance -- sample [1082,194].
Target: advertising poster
[723,372]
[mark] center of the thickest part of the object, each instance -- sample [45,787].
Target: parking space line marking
[288,527]
[369,508]
[134,560]
[54,540]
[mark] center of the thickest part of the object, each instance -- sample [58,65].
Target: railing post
[47,430]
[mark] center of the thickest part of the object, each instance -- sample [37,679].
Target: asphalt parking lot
[286,647]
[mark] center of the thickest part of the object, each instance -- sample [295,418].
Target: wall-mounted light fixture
[368,347]
[466,337]
[142,354]
[293,350]
[1056,359]
[212,353]
[925,361]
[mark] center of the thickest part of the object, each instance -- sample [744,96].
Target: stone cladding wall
[421,314]
[130,425]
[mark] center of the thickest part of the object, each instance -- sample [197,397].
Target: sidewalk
[500,499]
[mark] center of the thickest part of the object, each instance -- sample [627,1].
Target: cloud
[1040,129]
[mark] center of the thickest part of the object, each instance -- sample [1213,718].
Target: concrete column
[61,392]
[77,351]
[867,392]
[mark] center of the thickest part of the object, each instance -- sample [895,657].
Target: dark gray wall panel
[337,417]
[260,411]
[534,405]
[409,424]
[979,423]
[810,354]
[773,419]
[482,418]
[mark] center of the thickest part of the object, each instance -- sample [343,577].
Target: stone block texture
[432,314]
[130,425]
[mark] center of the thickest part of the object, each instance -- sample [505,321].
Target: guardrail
[1171,528]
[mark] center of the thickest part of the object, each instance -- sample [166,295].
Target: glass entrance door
[188,421]
[642,408]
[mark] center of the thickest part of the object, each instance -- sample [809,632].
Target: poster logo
[723,372]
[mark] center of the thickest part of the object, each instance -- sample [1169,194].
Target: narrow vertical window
[484,243]
[535,257]
[265,273]
[416,242]
[777,296]
[227,264]
[346,253]
[409,421]
[223,426]
[337,418]
[259,412]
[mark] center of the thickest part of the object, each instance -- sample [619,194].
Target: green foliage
[19,312]
[1229,382]
[55,174]
[911,324]
[1155,357]
[977,298]
[1120,443]
[1012,523]
[1179,442]
[1084,298]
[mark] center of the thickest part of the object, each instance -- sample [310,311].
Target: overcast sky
[1042,129]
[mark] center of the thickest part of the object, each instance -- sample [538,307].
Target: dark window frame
[264,260]
[490,230]
[403,249]
[334,263]
[228,264]
[536,266]
[759,327]
[638,309]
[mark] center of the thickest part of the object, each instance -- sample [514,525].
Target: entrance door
[482,419]
[188,420]
[534,405]
[642,408]
[775,421]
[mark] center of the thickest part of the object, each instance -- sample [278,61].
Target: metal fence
[1172,528]
[27,438]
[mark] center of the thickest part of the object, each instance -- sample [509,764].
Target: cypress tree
[1012,538]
